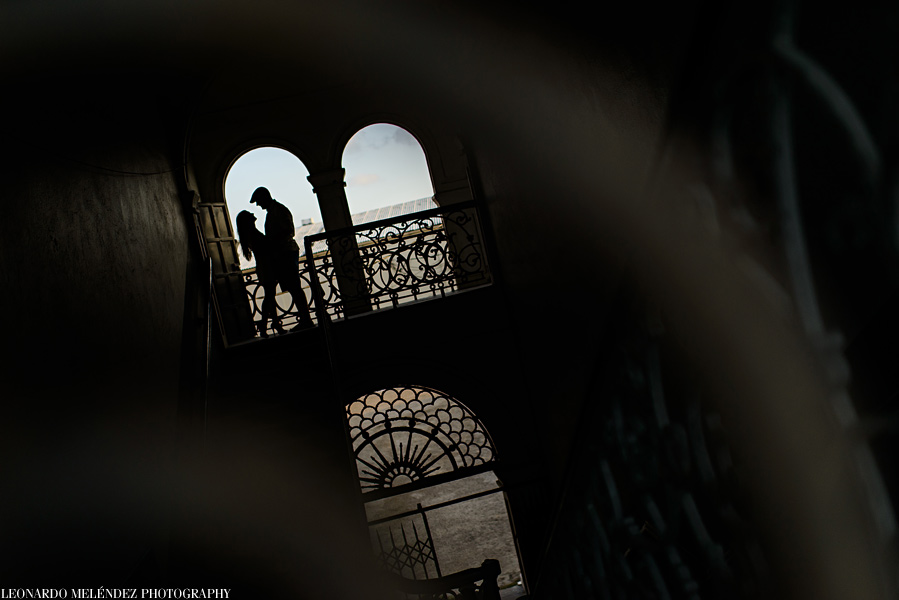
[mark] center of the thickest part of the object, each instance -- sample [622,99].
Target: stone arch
[239,319]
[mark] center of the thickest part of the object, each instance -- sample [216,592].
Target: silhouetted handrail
[402,259]
[385,263]
[464,584]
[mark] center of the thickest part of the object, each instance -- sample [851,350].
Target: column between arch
[330,189]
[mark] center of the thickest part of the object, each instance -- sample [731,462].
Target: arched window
[402,435]
[425,464]
[386,174]
[285,176]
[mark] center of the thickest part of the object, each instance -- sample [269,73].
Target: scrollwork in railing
[341,254]
[330,293]
[387,263]
[413,257]
[407,259]
[286,310]
[469,253]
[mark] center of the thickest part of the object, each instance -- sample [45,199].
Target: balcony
[384,264]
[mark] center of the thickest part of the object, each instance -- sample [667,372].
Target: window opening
[403,435]
[405,250]
[386,174]
[285,177]
[434,505]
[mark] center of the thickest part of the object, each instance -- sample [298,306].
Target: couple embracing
[277,258]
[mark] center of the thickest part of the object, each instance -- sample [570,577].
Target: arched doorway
[424,462]
[286,178]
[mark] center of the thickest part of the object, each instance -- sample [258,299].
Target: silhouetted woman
[253,242]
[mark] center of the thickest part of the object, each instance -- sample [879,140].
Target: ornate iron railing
[406,546]
[286,310]
[380,265]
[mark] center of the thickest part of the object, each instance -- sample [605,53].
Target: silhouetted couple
[277,258]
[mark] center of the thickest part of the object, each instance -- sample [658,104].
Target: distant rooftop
[376,214]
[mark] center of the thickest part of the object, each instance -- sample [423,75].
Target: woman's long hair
[246,232]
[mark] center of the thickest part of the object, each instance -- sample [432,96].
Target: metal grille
[285,309]
[413,257]
[402,435]
[407,548]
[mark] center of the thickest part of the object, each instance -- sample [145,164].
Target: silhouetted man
[285,253]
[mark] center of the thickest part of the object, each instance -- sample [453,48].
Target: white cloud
[364,179]
[378,137]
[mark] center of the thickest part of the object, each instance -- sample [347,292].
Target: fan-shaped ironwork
[402,435]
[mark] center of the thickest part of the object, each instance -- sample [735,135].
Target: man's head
[262,197]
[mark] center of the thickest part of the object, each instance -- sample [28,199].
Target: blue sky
[384,165]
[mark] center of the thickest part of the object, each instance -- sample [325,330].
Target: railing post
[318,296]
[350,273]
